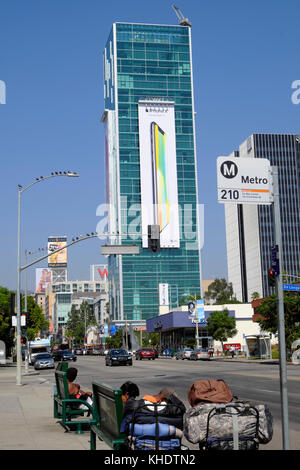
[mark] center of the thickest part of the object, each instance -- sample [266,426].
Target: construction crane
[182,20]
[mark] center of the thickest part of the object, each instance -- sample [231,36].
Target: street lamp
[21,190]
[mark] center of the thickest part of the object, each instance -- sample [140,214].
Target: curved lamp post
[21,190]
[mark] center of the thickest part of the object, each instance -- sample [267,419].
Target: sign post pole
[280,313]
[248,181]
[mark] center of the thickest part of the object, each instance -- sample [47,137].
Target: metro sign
[244,180]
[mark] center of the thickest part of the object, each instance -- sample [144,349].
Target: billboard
[42,278]
[99,272]
[163,294]
[159,195]
[57,260]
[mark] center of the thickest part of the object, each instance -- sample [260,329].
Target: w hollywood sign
[103,273]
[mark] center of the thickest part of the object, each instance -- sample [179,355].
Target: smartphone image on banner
[159,175]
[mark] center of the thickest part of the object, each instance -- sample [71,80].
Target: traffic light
[271,277]
[23,340]
[153,238]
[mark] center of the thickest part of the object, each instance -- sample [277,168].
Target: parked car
[64,355]
[118,357]
[198,354]
[183,353]
[44,361]
[145,353]
[96,351]
[78,351]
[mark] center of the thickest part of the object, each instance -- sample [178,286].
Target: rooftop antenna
[182,20]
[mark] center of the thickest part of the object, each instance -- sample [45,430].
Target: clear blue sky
[245,58]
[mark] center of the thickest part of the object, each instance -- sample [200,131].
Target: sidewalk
[27,423]
[26,413]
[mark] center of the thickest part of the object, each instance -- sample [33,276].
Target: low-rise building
[176,327]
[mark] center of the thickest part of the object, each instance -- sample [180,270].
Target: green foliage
[36,321]
[153,338]
[190,343]
[221,326]
[186,298]
[220,292]
[269,318]
[255,295]
[115,341]
[5,317]
[78,319]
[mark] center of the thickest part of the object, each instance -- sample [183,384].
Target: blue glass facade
[142,61]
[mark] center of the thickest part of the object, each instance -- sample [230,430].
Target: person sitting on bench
[129,390]
[74,389]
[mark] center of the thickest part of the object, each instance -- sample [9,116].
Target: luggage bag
[228,426]
[153,431]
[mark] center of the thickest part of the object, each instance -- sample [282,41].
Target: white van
[37,347]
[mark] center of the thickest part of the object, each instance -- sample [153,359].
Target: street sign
[108,250]
[200,311]
[244,180]
[291,287]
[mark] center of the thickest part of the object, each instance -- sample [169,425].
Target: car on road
[145,353]
[64,355]
[118,357]
[183,353]
[44,361]
[198,354]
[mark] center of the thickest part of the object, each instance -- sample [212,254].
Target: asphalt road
[248,381]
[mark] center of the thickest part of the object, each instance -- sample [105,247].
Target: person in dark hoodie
[129,390]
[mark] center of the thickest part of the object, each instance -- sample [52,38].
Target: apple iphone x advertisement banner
[159,195]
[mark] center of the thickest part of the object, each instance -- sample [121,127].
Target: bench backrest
[62,366]
[61,384]
[109,407]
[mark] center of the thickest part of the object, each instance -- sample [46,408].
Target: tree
[115,341]
[185,299]
[5,318]
[221,326]
[255,295]
[221,292]
[151,340]
[78,321]
[35,321]
[74,326]
[269,318]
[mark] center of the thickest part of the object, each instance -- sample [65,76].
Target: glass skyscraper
[250,228]
[149,64]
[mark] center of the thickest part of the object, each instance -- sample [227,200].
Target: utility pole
[141,332]
[196,319]
[280,314]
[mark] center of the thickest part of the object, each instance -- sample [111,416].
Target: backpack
[218,426]
[209,391]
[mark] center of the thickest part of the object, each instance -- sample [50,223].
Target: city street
[257,382]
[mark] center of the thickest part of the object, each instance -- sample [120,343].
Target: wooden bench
[108,406]
[66,407]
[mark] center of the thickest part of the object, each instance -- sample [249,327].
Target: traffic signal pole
[280,314]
